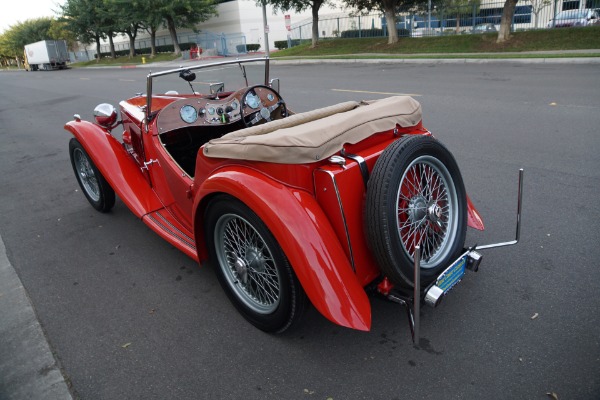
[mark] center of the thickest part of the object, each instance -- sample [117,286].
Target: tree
[460,8]
[508,12]
[299,6]
[389,8]
[184,14]
[152,19]
[85,18]
[13,41]
[536,7]
[59,31]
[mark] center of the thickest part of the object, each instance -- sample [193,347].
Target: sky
[13,11]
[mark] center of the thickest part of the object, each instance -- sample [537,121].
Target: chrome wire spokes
[250,267]
[426,208]
[86,174]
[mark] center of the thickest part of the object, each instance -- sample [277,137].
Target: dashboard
[210,111]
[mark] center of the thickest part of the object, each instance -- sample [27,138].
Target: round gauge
[234,105]
[253,101]
[211,110]
[188,114]
[270,97]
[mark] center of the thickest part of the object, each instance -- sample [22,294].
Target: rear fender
[117,167]
[305,235]
[474,219]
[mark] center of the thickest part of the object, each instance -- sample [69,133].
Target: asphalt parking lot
[128,316]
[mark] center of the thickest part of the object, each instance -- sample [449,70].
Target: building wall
[239,16]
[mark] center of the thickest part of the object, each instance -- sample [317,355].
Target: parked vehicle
[572,18]
[481,28]
[425,32]
[46,55]
[322,206]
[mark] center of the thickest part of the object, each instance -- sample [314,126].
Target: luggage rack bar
[433,294]
[519,207]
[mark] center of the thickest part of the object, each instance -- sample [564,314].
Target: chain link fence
[474,17]
[211,44]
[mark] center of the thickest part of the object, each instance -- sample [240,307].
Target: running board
[167,227]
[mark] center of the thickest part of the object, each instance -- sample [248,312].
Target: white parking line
[366,91]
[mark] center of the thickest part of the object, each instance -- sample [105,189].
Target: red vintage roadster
[323,206]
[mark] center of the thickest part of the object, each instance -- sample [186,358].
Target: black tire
[98,192]
[248,259]
[416,195]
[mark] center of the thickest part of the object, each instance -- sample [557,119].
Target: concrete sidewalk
[28,370]
[528,57]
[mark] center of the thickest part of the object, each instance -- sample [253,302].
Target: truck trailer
[46,55]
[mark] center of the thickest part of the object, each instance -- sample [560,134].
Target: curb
[553,60]
[28,369]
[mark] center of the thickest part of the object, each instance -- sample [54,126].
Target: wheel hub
[255,260]
[434,214]
[417,208]
[241,269]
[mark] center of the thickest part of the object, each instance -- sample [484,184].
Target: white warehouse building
[238,22]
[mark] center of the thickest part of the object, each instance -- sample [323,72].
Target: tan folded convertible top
[293,140]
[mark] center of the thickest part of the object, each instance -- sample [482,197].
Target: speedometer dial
[188,114]
[253,101]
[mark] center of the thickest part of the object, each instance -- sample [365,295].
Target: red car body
[315,211]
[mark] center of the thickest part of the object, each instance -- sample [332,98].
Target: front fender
[117,167]
[304,233]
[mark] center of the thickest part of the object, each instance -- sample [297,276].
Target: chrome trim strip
[183,234]
[337,193]
[173,234]
[362,164]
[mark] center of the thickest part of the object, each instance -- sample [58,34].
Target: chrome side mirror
[274,84]
[106,115]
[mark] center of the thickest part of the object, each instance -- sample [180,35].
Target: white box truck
[46,55]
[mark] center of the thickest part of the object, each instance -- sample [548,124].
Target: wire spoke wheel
[251,266]
[94,186]
[86,174]
[427,207]
[415,197]
[248,263]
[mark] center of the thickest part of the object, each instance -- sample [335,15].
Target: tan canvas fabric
[293,120]
[318,139]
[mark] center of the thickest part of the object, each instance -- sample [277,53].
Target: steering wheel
[260,104]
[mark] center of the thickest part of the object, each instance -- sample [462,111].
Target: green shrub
[355,33]
[368,33]
[253,46]
[283,44]
[185,46]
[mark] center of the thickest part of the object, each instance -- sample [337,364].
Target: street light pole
[429,17]
[265,27]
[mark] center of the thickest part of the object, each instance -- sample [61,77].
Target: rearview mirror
[217,88]
[187,75]
[274,84]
